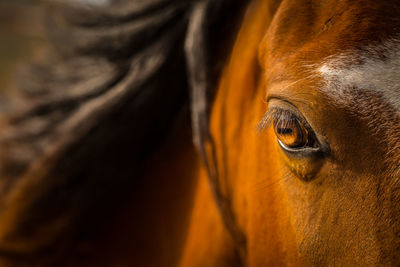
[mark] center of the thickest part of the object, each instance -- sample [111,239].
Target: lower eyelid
[283,145]
[307,152]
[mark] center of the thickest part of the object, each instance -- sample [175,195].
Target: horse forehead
[316,29]
[374,69]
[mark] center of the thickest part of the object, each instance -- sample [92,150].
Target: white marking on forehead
[376,69]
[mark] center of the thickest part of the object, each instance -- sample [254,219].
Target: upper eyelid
[274,114]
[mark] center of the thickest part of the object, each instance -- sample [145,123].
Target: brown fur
[339,210]
[348,213]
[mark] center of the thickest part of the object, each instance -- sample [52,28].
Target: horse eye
[292,134]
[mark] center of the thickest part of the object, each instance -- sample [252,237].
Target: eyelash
[276,115]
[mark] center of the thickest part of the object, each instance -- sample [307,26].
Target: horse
[292,107]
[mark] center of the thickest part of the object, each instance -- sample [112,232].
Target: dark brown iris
[291,133]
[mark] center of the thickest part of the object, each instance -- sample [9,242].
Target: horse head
[295,117]
[307,145]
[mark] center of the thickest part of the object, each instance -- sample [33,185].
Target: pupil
[285,131]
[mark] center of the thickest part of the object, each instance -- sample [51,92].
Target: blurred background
[20,35]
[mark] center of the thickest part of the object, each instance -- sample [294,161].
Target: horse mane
[92,112]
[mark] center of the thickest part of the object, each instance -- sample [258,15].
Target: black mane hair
[115,79]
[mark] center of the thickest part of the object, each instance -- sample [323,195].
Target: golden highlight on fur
[238,196]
